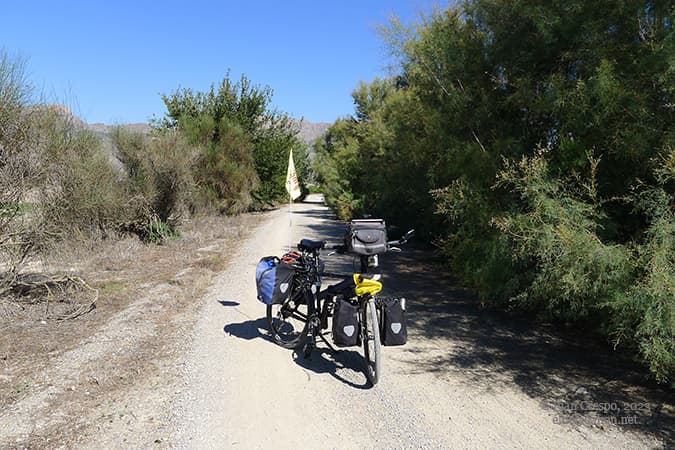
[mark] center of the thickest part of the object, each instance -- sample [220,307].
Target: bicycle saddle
[308,245]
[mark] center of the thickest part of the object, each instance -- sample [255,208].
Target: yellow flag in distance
[292,184]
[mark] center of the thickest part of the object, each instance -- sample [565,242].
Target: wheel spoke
[287,325]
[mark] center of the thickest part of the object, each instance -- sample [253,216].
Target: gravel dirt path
[189,364]
[442,390]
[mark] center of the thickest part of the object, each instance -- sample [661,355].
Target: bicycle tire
[288,323]
[372,351]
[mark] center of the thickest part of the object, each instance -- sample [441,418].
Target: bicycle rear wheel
[371,341]
[288,322]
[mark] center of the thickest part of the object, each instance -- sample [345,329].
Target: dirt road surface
[247,392]
[466,379]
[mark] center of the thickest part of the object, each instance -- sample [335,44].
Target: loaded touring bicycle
[299,311]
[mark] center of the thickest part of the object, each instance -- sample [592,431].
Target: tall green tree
[244,141]
[530,139]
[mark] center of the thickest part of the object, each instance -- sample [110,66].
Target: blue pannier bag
[273,279]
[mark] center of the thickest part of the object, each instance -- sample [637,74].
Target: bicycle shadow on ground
[326,361]
[249,329]
[453,337]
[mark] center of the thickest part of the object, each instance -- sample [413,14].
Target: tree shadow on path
[575,376]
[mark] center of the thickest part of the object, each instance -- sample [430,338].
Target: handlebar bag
[345,323]
[366,237]
[393,328]
[273,280]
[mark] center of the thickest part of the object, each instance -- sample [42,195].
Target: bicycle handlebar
[391,245]
[405,238]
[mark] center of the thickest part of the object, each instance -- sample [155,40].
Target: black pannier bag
[274,279]
[366,237]
[345,323]
[393,328]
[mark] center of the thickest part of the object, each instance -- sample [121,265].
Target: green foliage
[336,165]
[480,256]
[526,137]
[226,169]
[555,233]
[644,316]
[243,143]
[160,231]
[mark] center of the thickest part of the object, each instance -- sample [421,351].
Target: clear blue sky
[110,61]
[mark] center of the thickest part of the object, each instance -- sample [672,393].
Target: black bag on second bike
[393,328]
[345,323]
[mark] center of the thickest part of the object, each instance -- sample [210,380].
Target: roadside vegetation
[533,143]
[221,152]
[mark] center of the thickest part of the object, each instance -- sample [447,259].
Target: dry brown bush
[18,171]
[54,182]
[160,170]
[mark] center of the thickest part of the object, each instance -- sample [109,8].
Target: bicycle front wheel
[371,341]
[288,322]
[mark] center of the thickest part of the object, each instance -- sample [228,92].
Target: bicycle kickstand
[311,342]
[323,338]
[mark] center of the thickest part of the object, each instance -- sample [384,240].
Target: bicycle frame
[320,303]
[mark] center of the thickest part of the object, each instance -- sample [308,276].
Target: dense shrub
[243,142]
[160,169]
[533,141]
[225,167]
[80,191]
[643,316]
[160,182]
[555,235]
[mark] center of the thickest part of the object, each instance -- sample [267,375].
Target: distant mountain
[310,131]
[101,128]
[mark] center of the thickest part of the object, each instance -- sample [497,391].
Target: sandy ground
[466,378]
